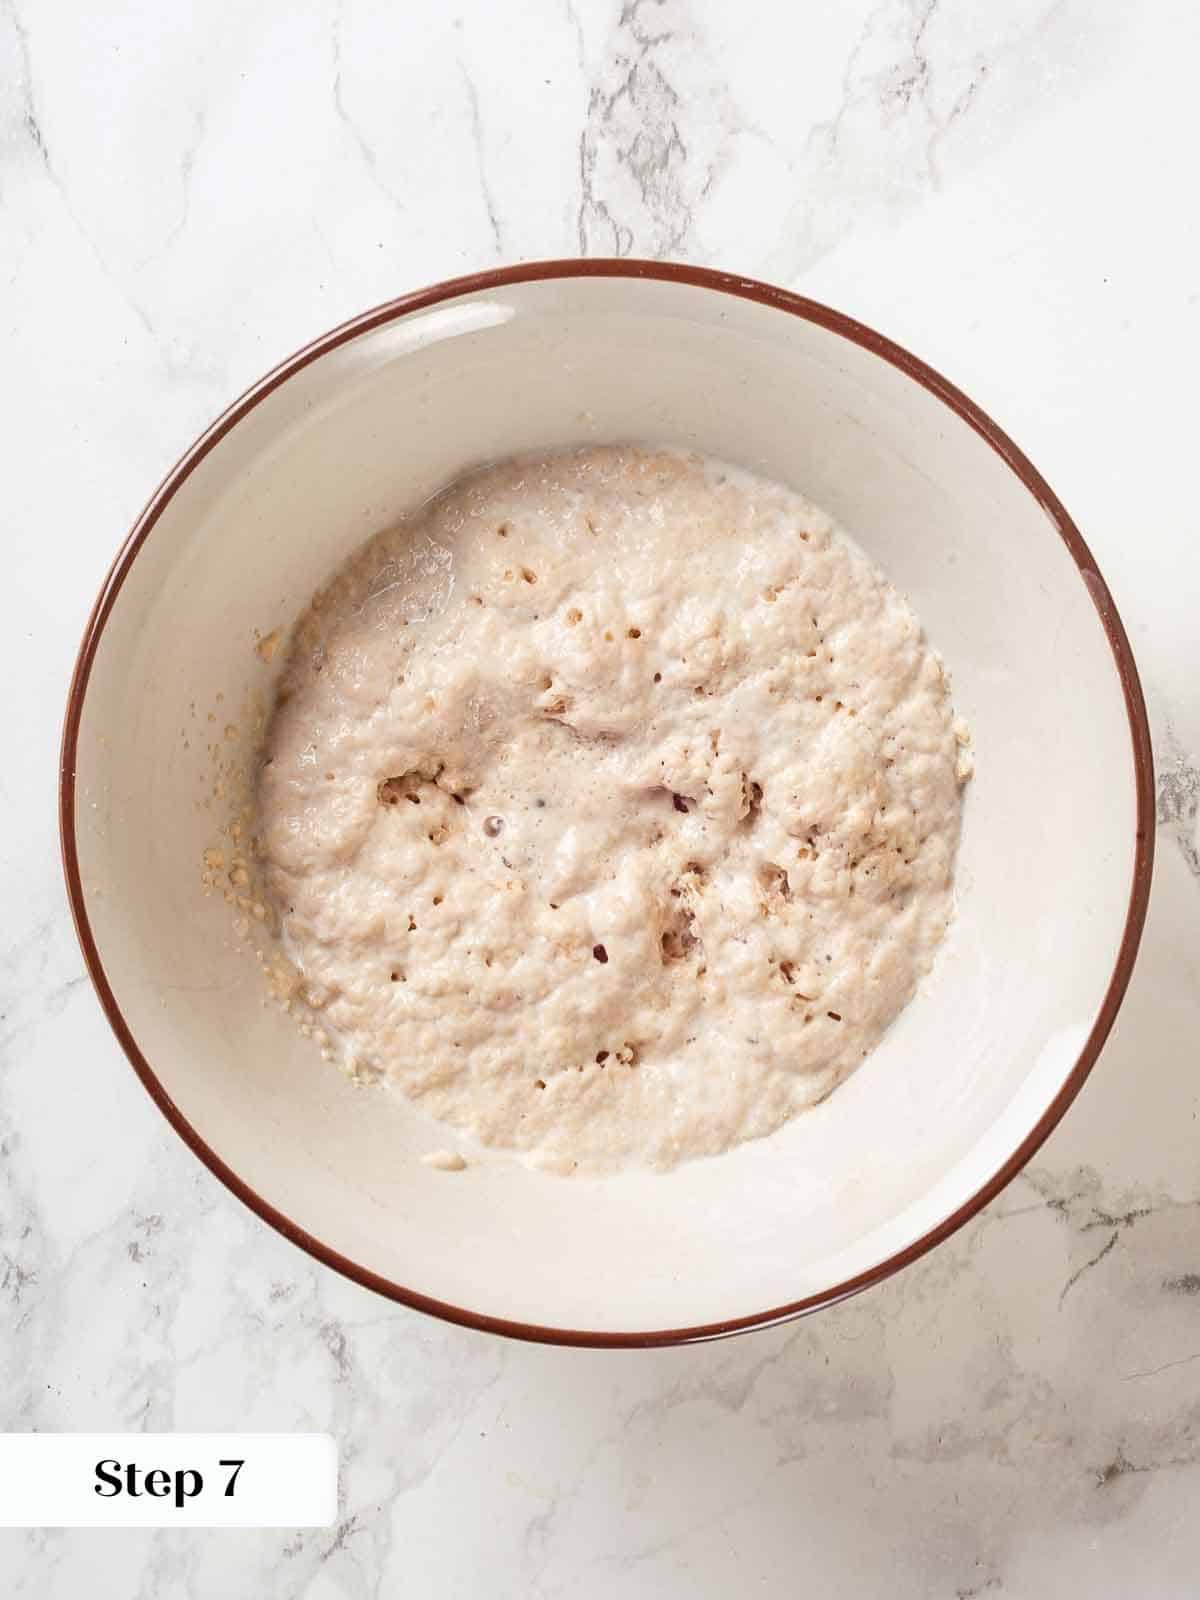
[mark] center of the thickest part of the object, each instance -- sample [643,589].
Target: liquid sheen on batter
[609,807]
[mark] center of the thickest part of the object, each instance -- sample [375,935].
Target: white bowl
[1053,871]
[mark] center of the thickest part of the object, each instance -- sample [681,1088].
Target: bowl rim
[867,338]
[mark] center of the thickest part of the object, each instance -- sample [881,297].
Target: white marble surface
[187,192]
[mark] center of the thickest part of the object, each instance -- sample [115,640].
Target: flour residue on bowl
[609,807]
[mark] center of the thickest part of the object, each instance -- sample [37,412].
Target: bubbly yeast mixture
[609,806]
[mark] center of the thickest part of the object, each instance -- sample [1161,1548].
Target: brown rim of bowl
[868,339]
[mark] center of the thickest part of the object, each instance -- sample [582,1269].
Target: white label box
[168,1480]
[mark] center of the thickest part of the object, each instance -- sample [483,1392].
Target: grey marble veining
[1179,797]
[186,194]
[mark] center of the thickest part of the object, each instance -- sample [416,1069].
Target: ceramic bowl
[1053,872]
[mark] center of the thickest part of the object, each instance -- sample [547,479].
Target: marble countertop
[187,193]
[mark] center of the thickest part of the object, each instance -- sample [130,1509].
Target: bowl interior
[380,421]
